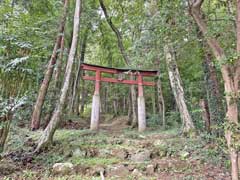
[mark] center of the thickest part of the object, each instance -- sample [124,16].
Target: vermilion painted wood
[116,71]
[97,82]
[103,79]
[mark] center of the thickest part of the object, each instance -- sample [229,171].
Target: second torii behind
[95,114]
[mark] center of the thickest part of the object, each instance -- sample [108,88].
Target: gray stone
[79,153]
[120,153]
[150,169]
[62,168]
[119,171]
[141,156]
[137,173]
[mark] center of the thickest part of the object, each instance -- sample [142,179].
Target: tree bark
[83,96]
[205,114]
[230,74]
[5,122]
[48,133]
[178,91]
[213,93]
[134,104]
[161,102]
[77,78]
[48,75]
[59,66]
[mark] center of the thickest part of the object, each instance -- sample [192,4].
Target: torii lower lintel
[95,114]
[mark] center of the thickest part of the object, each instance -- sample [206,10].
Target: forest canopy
[192,46]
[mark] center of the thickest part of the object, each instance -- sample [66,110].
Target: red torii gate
[120,72]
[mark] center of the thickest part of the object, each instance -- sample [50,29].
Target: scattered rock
[7,168]
[159,143]
[150,169]
[81,169]
[104,153]
[91,152]
[120,171]
[131,167]
[137,173]
[62,168]
[141,156]
[79,153]
[120,153]
[97,171]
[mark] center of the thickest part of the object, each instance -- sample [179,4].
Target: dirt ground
[116,152]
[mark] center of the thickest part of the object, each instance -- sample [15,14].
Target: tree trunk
[77,78]
[130,114]
[48,133]
[213,93]
[134,104]
[83,96]
[178,91]
[5,122]
[48,75]
[205,114]
[117,33]
[153,102]
[58,69]
[230,74]
[161,102]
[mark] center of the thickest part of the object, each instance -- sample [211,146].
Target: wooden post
[141,105]
[95,115]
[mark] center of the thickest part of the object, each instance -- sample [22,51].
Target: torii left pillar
[95,114]
[141,105]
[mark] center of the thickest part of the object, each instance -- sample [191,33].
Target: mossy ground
[175,157]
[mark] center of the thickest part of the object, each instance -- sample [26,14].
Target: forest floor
[117,151]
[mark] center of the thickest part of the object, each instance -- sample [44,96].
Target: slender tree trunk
[205,114]
[130,114]
[178,91]
[124,104]
[59,66]
[5,122]
[134,104]
[77,79]
[117,33]
[83,96]
[48,75]
[230,74]
[161,102]
[48,133]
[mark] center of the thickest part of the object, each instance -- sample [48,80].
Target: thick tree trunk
[213,93]
[48,75]
[178,91]
[230,74]
[48,133]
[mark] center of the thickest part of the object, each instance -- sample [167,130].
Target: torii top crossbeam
[120,79]
[132,72]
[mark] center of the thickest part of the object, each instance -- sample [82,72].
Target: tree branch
[117,33]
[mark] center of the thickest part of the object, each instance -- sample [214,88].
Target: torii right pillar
[141,105]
